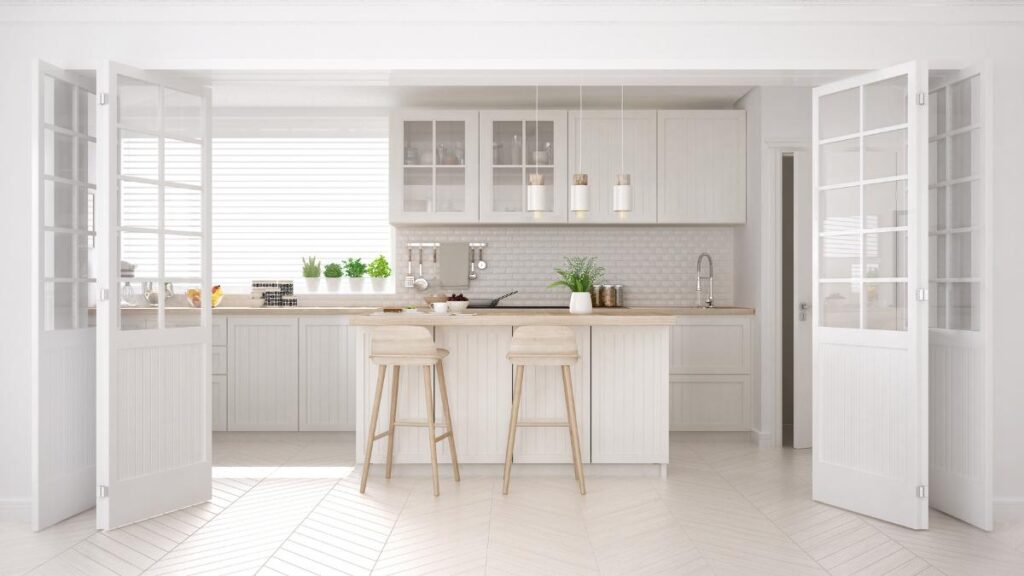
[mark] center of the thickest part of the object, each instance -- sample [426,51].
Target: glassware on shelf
[517,150]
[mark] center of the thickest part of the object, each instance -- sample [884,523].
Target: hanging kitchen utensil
[409,278]
[481,264]
[472,263]
[421,283]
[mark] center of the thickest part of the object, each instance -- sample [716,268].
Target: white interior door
[803,328]
[63,293]
[870,363]
[960,454]
[153,376]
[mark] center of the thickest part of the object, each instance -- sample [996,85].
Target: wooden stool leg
[373,428]
[517,394]
[574,433]
[442,386]
[428,386]
[395,370]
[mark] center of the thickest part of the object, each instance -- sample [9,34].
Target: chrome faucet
[710,302]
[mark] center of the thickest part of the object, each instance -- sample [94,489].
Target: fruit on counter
[458,298]
[195,298]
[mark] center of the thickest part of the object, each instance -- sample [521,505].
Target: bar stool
[544,346]
[398,346]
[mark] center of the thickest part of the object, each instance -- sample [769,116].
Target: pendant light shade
[622,192]
[579,192]
[536,191]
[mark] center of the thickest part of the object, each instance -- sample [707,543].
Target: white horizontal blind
[297,192]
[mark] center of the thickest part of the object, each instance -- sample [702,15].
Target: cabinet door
[434,163]
[511,151]
[327,374]
[220,403]
[629,394]
[606,153]
[702,167]
[263,371]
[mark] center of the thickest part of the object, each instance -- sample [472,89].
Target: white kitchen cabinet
[710,366]
[219,404]
[434,159]
[515,145]
[327,374]
[263,372]
[544,399]
[604,157]
[702,167]
[629,384]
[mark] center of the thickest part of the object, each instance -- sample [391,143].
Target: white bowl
[457,306]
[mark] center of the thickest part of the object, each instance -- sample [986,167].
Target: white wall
[654,36]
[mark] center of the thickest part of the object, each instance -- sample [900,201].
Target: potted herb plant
[379,271]
[355,269]
[311,272]
[333,273]
[578,275]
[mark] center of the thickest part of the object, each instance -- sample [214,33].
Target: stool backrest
[544,341]
[411,341]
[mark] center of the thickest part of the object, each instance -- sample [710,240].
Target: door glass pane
[964,306]
[58,204]
[57,306]
[940,256]
[507,146]
[182,209]
[540,150]
[86,112]
[139,155]
[885,154]
[82,252]
[885,103]
[139,205]
[939,303]
[885,306]
[840,256]
[136,312]
[839,114]
[840,209]
[941,208]
[183,315]
[183,162]
[965,99]
[965,154]
[962,205]
[936,162]
[419,138]
[58,103]
[451,143]
[58,254]
[140,249]
[182,256]
[419,190]
[839,162]
[934,306]
[885,204]
[451,190]
[840,305]
[885,255]
[86,161]
[138,104]
[960,255]
[183,114]
[58,154]
[509,189]
[936,113]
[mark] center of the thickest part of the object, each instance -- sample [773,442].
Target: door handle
[804,307]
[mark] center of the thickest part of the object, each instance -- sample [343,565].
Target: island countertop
[554,317]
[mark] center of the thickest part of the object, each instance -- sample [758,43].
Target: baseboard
[762,439]
[16,510]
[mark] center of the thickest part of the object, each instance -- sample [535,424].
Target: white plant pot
[313,284]
[378,284]
[333,284]
[356,285]
[579,303]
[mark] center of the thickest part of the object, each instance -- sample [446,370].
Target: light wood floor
[290,504]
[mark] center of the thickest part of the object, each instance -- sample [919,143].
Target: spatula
[409,278]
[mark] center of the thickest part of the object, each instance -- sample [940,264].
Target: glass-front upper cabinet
[434,166]
[516,145]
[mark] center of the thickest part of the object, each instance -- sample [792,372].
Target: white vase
[378,284]
[579,303]
[333,284]
[356,285]
[312,284]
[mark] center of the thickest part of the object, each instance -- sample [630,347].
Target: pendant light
[536,192]
[622,192]
[579,192]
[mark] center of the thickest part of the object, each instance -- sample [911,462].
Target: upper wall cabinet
[611,146]
[434,166]
[702,167]
[516,145]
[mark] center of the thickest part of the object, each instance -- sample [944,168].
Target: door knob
[804,307]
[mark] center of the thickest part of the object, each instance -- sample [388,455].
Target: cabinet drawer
[219,360]
[710,403]
[220,331]
[711,346]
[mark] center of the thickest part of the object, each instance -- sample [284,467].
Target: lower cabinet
[710,374]
[219,403]
[263,373]
[327,374]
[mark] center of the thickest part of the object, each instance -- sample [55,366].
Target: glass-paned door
[64,296]
[518,144]
[438,154]
[960,443]
[154,345]
[870,269]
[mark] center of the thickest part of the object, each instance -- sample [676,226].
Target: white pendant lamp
[536,192]
[622,192]
[579,192]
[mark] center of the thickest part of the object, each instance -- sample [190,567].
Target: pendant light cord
[536,125]
[579,163]
[622,129]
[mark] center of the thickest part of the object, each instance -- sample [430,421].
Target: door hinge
[102,98]
[922,99]
[104,294]
[102,491]
[922,295]
[922,491]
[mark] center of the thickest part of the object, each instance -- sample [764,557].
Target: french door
[153,243]
[63,330]
[870,270]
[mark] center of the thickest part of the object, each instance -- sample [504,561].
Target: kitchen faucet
[710,302]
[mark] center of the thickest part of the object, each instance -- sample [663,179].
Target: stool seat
[543,346]
[409,359]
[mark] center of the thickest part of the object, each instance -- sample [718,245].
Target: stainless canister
[620,297]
